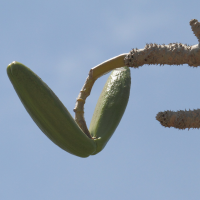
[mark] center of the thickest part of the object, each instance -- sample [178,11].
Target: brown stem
[180,119]
[171,54]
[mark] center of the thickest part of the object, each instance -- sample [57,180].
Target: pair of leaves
[54,120]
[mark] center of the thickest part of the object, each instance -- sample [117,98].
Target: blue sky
[60,41]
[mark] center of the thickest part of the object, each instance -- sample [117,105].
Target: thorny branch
[171,54]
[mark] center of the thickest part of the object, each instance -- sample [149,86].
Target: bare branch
[171,54]
[180,119]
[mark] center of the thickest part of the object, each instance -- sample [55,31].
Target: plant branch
[180,119]
[171,54]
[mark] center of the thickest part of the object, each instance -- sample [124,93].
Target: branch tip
[195,25]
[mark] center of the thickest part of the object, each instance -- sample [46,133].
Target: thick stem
[180,119]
